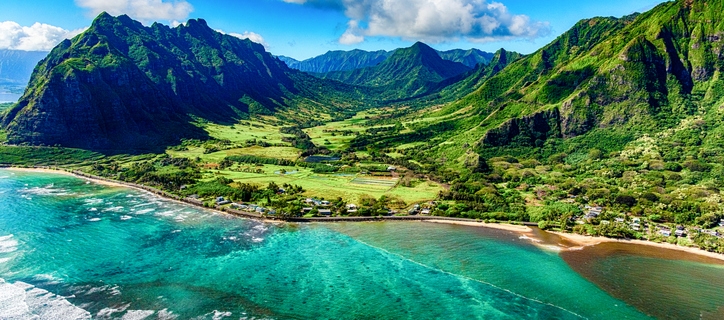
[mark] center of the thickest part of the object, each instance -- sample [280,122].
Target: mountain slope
[470,58]
[123,86]
[406,73]
[338,61]
[614,78]
[17,66]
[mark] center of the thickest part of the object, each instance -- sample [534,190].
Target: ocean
[73,249]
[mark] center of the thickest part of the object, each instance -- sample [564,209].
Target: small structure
[635,226]
[619,220]
[325,212]
[721,223]
[391,168]
[324,203]
[221,201]
[307,210]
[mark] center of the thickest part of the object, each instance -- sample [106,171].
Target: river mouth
[666,284]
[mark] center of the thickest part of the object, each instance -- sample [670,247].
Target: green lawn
[350,187]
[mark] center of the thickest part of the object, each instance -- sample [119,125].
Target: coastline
[577,239]
[499,226]
[589,241]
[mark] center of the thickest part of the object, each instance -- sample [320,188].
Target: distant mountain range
[16,66]
[408,72]
[357,59]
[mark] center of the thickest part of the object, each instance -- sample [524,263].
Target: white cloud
[143,10]
[252,36]
[38,37]
[431,20]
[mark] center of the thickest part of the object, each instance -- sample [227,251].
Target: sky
[303,29]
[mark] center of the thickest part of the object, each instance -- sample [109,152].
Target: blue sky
[306,28]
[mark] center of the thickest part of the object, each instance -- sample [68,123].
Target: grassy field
[350,187]
[330,135]
[246,130]
[289,153]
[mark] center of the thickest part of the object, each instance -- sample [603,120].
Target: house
[221,201]
[635,226]
[391,168]
[351,206]
[260,210]
[272,212]
[425,211]
[665,232]
[325,212]
[619,220]
[721,223]
[307,210]
[680,233]
[324,203]
[605,222]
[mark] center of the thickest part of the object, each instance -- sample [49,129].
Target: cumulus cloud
[252,36]
[143,10]
[431,20]
[38,37]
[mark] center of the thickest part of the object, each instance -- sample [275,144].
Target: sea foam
[24,301]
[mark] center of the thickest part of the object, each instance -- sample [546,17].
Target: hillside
[122,86]
[614,78]
[338,61]
[16,66]
[357,59]
[408,72]
[470,58]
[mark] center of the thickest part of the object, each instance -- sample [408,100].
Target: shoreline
[577,239]
[498,226]
[591,241]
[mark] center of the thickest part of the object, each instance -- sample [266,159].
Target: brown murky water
[666,284]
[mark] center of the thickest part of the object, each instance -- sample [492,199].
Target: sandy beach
[499,226]
[54,171]
[587,241]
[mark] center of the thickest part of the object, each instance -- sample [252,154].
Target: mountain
[599,85]
[338,61]
[357,59]
[470,58]
[407,72]
[123,86]
[16,66]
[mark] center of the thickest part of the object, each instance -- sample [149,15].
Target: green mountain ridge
[409,72]
[122,86]
[640,74]
[357,59]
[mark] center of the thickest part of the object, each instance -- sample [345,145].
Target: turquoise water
[74,249]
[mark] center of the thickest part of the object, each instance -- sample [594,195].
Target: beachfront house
[307,210]
[680,233]
[425,211]
[325,212]
[221,201]
[665,232]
